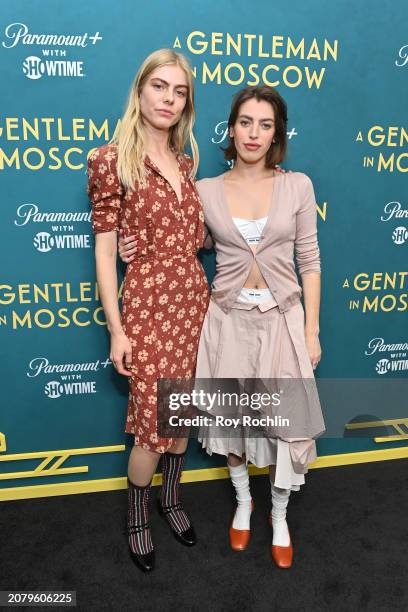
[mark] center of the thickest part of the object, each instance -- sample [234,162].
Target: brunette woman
[262,222]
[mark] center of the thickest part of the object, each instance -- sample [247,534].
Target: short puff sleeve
[104,189]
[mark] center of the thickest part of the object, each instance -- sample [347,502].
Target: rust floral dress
[165,294]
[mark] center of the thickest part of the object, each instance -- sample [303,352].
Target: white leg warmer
[280,498]
[240,480]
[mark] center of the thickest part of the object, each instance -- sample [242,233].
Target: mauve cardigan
[290,234]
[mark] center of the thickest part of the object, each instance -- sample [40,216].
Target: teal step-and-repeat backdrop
[65,72]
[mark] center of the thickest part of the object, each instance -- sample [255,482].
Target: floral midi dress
[165,293]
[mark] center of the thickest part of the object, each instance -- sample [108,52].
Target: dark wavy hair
[277,151]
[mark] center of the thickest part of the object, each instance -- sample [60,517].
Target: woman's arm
[127,246]
[308,261]
[311,299]
[208,241]
[105,193]
[105,255]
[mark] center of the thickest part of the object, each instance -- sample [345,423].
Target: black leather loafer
[187,537]
[144,562]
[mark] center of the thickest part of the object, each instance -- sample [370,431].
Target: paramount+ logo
[51,60]
[394,211]
[58,236]
[67,379]
[396,360]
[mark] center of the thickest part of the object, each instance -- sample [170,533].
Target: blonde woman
[142,183]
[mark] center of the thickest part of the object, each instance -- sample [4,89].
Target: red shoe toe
[282,555]
[239,538]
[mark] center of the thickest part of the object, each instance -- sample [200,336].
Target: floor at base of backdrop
[348,525]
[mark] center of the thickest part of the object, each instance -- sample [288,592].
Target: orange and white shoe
[239,538]
[282,555]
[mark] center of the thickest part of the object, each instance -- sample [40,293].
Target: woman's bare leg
[234,460]
[142,465]
[179,445]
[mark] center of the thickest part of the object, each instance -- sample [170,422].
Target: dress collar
[179,156]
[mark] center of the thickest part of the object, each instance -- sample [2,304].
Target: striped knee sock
[172,469]
[140,539]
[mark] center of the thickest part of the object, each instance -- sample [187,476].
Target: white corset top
[251,229]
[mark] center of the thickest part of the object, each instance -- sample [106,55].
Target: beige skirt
[259,342]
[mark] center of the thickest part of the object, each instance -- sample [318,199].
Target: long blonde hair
[129,134]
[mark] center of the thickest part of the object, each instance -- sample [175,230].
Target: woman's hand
[126,247]
[121,353]
[282,170]
[313,348]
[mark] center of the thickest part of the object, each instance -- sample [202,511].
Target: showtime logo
[45,242]
[396,365]
[383,366]
[400,235]
[34,68]
[55,389]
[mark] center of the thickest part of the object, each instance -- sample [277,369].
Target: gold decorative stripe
[395,423]
[46,461]
[391,438]
[50,472]
[384,454]
[112,484]
[48,456]
[74,451]
[60,461]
